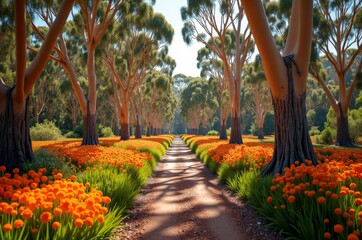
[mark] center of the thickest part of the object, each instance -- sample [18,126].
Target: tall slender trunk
[15,142]
[90,135]
[343,137]
[148,131]
[138,133]
[124,117]
[223,133]
[235,136]
[260,133]
[292,140]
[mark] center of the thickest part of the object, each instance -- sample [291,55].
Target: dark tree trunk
[292,140]
[130,130]
[203,131]
[343,137]
[90,135]
[148,132]
[125,131]
[235,135]
[15,142]
[138,133]
[260,133]
[223,133]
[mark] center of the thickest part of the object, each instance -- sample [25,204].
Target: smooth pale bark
[223,134]
[287,77]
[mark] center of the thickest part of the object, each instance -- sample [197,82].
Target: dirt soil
[183,200]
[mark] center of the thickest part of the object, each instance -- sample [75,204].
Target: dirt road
[183,200]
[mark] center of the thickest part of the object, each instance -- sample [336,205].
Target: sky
[184,55]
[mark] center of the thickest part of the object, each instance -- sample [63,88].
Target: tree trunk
[130,130]
[124,117]
[125,131]
[90,135]
[235,136]
[260,133]
[148,132]
[138,133]
[203,131]
[15,142]
[292,140]
[343,137]
[223,133]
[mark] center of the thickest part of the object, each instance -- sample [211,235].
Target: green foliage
[105,132]
[314,131]
[355,123]
[72,134]
[45,131]
[48,160]
[327,136]
[213,133]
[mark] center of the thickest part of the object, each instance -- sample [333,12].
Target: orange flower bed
[137,144]
[88,155]
[35,200]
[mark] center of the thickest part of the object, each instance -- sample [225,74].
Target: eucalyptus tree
[154,89]
[15,143]
[287,75]
[223,23]
[198,105]
[261,104]
[338,36]
[212,67]
[131,58]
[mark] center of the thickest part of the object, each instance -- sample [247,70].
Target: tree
[287,78]
[15,143]
[338,36]
[130,59]
[213,67]
[198,105]
[231,44]
[261,103]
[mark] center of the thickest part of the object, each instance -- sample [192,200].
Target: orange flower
[334,196]
[34,231]
[291,199]
[352,236]
[2,168]
[269,199]
[27,214]
[327,235]
[350,223]
[56,225]
[45,217]
[57,211]
[338,228]
[358,201]
[338,211]
[321,200]
[100,218]
[352,185]
[89,221]
[78,222]
[359,214]
[18,223]
[7,227]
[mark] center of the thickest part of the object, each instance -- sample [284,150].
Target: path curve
[183,200]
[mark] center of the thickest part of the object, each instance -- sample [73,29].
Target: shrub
[72,134]
[326,137]
[314,131]
[105,132]
[49,160]
[45,131]
[213,133]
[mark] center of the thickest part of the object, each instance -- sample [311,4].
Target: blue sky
[184,55]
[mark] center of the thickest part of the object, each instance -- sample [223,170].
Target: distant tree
[230,39]
[212,67]
[338,36]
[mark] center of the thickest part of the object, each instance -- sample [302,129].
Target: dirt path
[183,200]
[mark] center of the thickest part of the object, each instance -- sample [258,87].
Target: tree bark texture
[260,133]
[125,134]
[235,135]
[343,138]
[15,142]
[223,133]
[90,135]
[292,140]
[148,131]
[138,133]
